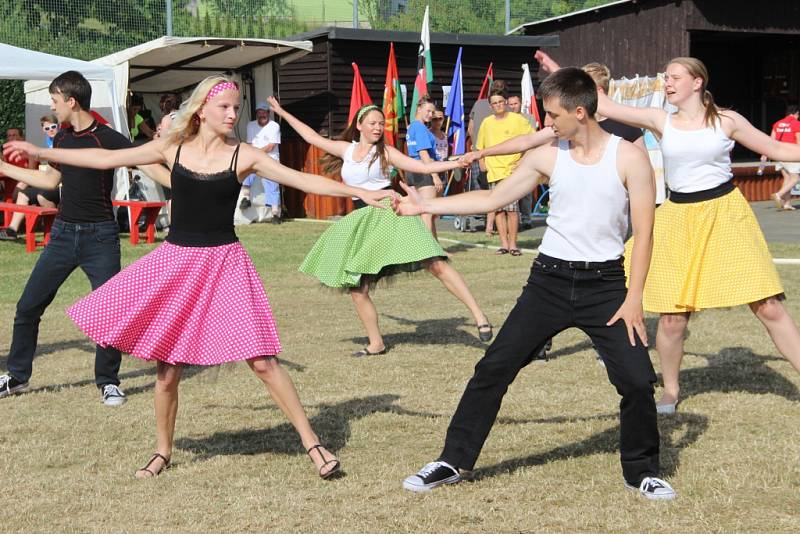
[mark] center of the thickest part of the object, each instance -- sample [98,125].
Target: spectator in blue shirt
[420,144]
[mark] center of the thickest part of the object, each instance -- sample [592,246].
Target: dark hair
[169,102]
[137,99]
[72,84]
[573,88]
[496,91]
[331,164]
[791,109]
[498,84]
[17,128]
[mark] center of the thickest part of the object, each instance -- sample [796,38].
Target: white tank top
[696,160]
[588,218]
[362,173]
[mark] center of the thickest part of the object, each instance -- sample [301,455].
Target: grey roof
[353,34]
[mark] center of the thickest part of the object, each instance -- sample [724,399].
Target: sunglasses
[50,128]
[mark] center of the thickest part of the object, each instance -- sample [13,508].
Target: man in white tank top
[577,281]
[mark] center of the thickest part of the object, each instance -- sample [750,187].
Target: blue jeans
[272,190]
[94,247]
[560,295]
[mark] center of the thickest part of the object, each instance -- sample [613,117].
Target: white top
[261,136]
[363,173]
[441,148]
[588,218]
[696,160]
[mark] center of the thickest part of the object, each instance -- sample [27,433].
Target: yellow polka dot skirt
[708,254]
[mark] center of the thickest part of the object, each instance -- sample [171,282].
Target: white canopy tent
[175,64]
[40,69]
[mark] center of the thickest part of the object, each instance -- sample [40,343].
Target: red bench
[135,209]
[32,215]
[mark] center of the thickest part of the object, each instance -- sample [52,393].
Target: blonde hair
[186,123]
[697,69]
[599,73]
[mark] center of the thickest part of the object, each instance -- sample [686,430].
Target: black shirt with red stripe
[86,193]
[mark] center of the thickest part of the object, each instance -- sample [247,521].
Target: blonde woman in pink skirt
[197,299]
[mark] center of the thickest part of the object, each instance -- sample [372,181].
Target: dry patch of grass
[550,464]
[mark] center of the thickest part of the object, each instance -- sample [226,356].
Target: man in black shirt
[84,234]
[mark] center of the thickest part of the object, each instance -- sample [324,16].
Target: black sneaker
[113,396]
[8,234]
[276,219]
[11,386]
[245,203]
[432,475]
[654,489]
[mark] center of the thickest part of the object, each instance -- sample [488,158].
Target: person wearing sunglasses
[50,128]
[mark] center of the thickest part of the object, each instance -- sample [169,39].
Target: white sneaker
[654,489]
[668,408]
[113,396]
[11,386]
[432,475]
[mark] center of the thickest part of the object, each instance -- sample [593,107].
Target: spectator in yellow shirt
[502,126]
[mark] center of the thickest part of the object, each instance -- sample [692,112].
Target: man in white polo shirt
[265,134]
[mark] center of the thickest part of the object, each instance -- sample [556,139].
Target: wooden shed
[316,88]
[751,49]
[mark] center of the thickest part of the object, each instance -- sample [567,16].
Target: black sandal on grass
[366,352]
[335,462]
[153,458]
[501,251]
[485,332]
[515,252]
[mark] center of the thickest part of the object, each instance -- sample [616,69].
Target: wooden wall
[630,38]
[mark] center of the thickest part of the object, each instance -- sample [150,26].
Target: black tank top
[203,205]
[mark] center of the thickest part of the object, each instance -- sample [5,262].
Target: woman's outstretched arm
[308,134]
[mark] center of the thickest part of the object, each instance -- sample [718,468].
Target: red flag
[392,100]
[359,96]
[487,83]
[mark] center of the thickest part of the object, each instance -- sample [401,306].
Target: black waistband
[358,203]
[699,196]
[204,239]
[579,265]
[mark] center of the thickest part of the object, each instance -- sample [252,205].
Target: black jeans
[94,247]
[558,296]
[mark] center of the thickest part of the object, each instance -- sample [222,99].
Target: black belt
[580,265]
[699,196]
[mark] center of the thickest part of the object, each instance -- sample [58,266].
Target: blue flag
[457,133]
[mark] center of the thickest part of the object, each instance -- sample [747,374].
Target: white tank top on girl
[696,160]
[366,174]
[588,218]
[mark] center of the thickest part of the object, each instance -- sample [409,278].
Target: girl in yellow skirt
[708,250]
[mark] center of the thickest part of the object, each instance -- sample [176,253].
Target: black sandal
[153,458]
[366,352]
[515,252]
[485,332]
[335,462]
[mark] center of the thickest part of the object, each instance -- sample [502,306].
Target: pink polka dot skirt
[193,305]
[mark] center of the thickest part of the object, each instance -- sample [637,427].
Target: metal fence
[87,29]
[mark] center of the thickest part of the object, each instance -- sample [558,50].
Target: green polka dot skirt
[370,244]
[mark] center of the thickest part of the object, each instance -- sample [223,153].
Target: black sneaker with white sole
[112,395]
[11,386]
[432,475]
[654,489]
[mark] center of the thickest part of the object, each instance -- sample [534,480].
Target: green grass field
[551,462]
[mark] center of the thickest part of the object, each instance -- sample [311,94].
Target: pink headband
[221,86]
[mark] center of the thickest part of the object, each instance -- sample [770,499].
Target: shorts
[418,180]
[791,167]
[53,195]
[513,207]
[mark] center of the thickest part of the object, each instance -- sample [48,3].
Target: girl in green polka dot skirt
[372,243]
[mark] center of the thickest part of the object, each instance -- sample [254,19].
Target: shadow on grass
[677,433]
[45,349]
[332,422]
[190,371]
[447,331]
[736,369]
